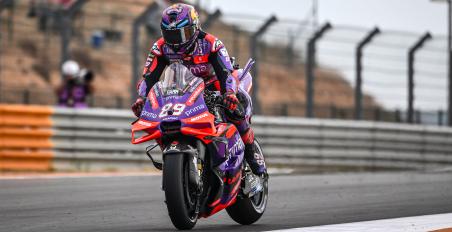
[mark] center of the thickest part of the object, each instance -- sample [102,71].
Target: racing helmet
[70,69]
[180,26]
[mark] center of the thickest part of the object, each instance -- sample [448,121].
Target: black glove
[137,107]
[231,101]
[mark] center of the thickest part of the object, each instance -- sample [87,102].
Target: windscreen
[176,79]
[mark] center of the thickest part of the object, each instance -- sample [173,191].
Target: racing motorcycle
[202,162]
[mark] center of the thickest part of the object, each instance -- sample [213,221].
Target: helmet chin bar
[179,37]
[187,45]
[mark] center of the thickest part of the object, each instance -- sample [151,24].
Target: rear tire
[247,211]
[177,195]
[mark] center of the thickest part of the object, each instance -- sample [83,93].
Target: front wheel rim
[190,196]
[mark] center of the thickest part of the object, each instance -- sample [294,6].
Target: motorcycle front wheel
[181,199]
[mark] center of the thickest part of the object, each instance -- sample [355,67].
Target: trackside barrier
[25,135]
[99,139]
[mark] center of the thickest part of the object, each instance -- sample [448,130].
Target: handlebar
[216,99]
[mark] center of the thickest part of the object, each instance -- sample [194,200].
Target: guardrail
[354,143]
[99,139]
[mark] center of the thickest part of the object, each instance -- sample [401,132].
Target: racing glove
[230,101]
[137,107]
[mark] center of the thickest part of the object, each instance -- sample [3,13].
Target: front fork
[195,158]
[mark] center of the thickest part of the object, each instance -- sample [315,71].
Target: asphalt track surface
[136,203]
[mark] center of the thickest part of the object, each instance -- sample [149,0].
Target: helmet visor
[179,35]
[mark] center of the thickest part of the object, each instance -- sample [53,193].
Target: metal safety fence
[100,139]
[90,139]
[303,68]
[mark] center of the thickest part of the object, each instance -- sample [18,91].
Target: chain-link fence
[384,70]
[301,70]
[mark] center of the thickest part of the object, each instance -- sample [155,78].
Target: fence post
[449,61]
[136,47]
[26,97]
[377,114]
[440,117]
[411,54]
[254,54]
[9,4]
[358,83]
[235,40]
[211,18]
[65,16]
[290,49]
[310,64]
[1,43]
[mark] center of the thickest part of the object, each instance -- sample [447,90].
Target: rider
[206,57]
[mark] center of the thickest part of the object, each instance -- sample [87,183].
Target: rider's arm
[221,63]
[153,72]
[153,69]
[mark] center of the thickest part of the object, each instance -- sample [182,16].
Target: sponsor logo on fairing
[171,97]
[238,146]
[144,123]
[153,100]
[195,94]
[199,117]
[194,110]
[192,82]
[195,85]
[172,91]
[148,114]
[156,92]
[170,118]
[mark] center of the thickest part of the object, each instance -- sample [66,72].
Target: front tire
[179,198]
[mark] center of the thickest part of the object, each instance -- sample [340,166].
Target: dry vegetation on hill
[31,60]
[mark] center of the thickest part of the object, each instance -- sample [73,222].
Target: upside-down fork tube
[199,152]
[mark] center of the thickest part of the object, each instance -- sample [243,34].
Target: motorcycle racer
[206,57]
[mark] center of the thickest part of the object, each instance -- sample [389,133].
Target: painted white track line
[406,224]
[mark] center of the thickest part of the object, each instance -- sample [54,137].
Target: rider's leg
[253,158]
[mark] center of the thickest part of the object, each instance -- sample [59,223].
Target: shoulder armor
[215,43]
[157,47]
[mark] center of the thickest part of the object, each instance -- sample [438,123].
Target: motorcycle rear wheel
[248,210]
[180,199]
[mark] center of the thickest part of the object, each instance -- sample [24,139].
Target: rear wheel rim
[259,201]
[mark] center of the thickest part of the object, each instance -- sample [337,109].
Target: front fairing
[174,106]
[188,108]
